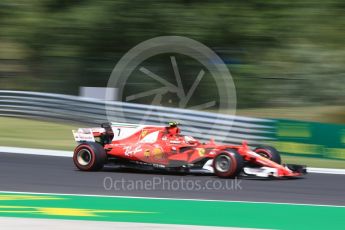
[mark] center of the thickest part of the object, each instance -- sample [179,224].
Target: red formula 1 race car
[150,147]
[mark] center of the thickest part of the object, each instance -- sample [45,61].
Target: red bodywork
[169,148]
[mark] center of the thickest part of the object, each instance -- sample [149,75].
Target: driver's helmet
[172,128]
[173,123]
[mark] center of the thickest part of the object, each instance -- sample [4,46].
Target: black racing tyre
[269,152]
[228,164]
[89,156]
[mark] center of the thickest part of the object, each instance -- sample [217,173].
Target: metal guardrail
[202,125]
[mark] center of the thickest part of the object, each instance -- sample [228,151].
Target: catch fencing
[87,111]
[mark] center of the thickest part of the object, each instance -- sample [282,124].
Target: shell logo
[158,153]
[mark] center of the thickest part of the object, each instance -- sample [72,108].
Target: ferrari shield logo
[143,133]
[201,151]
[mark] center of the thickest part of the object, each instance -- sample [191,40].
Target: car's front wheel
[268,152]
[228,164]
[89,156]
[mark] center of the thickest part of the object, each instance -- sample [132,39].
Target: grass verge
[314,162]
[27,133]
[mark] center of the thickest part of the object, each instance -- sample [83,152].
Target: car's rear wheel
[228,164]
[89,156]
[268,152]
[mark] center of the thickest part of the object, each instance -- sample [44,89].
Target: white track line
[40,152]
[167,198]
[60,153]
[326,171]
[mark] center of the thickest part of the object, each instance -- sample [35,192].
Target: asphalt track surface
[48,174]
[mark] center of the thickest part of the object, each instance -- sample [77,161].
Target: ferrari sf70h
[151,147]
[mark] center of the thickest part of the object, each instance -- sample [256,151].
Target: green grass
[36,134]
[52,135]
[314,162]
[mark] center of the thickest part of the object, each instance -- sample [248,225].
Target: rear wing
[120,131]
[87,134]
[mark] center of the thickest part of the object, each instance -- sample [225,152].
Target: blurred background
[287,59]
